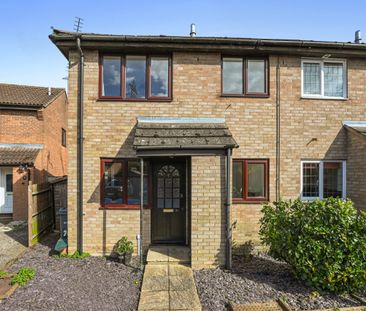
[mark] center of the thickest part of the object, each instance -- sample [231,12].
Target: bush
[124,246]
[324,241]
[23,276]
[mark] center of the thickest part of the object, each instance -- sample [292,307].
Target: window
[324,78]
[135,77]
[323,179]
[9,183]
[250,180]
[120,183]
[244,77]
[63,137]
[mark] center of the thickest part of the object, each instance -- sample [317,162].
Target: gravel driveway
[260,279]
[92,283]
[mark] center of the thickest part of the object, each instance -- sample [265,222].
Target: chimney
[193,30]
[358,38]
[49,91]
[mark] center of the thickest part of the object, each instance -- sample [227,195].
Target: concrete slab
[155,283]
[181,254]
[181,282]
[156,270]
[157,254]
[180,270]
[154,300]
[184,299]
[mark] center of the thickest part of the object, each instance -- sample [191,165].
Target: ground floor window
[323,179]
[250,180]
[120,183]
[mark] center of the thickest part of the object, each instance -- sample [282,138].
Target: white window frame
[321,62]
[321,178]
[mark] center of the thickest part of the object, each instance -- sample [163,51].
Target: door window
[168,187]
[9,182]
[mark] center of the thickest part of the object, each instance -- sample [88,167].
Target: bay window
[323,179]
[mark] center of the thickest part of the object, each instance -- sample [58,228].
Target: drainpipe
[80,141]
[228,210]
[278,130]
[141,212]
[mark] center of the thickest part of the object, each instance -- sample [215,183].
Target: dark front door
[169,210]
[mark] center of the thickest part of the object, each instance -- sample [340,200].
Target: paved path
[13,240]
[168,282]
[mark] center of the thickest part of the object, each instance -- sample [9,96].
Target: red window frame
[245,93]
[245,198]
[124,162]
[147,97]
[63,137]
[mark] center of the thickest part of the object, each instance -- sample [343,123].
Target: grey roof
[17,154]
[159,133]
[24,95]
[66,40]
[359,126]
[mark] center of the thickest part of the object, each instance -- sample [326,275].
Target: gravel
[261,279]
[93,283]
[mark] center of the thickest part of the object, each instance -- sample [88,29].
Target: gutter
[80,142]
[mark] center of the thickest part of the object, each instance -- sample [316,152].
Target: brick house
[33,125]
[178,117]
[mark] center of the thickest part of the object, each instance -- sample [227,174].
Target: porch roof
[162,133]
[19,154]
[359,126]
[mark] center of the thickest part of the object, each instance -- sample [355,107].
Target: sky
[28,57]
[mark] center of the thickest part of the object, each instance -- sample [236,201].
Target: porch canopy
[182,136]
[19,154]
[358,126]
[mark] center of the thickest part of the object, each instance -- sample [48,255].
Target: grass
[23,276]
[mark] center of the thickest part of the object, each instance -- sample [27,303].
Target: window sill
[245,96]
[123,207]
[112,99]
[264,201]
[325,98]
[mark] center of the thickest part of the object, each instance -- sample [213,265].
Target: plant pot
[127,258]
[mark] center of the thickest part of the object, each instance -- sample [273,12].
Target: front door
[169,209]
[6,190]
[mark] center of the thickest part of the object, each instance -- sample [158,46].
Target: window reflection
[159,76]
[135,76]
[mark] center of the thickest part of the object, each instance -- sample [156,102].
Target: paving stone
[155,283]
[181,282]
[180,270]
[154,300]
[184,299]
[179,254]
[156,270]
[157,254]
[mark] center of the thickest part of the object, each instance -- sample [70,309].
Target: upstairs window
[135,77]
[250,180]
[244,76]
[323,179]
[324,78]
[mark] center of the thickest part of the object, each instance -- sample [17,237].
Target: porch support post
[141,211]
[228,210]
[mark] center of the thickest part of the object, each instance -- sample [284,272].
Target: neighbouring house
[33,127]
[211,128]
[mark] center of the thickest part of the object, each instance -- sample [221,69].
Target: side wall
[356,168]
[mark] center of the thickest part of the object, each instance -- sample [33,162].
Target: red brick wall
[36,127]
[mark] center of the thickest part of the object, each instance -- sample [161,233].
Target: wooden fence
[40,211]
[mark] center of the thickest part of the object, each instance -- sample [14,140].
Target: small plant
[3,274]
[75,255]
[124,246]
[23,276]
[124,250]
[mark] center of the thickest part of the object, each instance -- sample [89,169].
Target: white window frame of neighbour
[321,178]
[321,62]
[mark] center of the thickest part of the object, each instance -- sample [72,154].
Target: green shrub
[324,241]
[23,276]
[123,246]
[3,274]
[75,255]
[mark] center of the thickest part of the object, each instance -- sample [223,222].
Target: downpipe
[228,211]
[80,142]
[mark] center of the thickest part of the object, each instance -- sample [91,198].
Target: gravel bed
[260,279]
[93,283]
